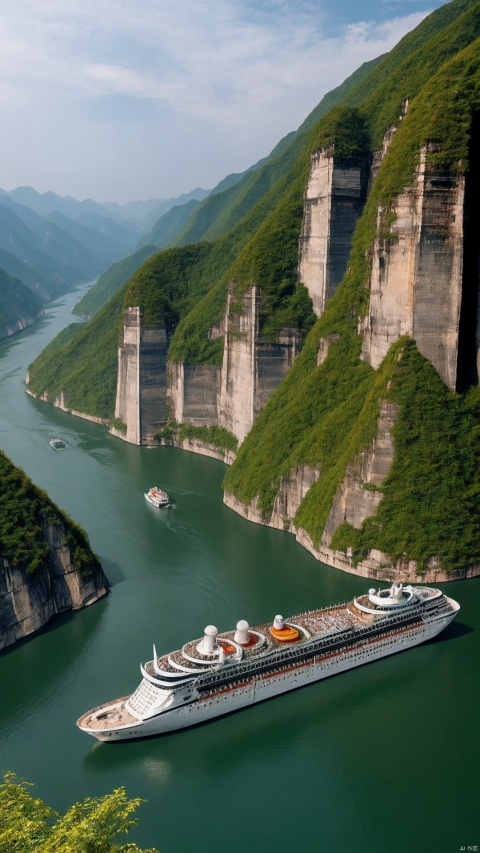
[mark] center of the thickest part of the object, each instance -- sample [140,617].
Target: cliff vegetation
[17,304]
[25,510]
[324,415]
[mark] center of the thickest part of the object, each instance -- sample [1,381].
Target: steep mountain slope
[46,563]
[191,342]
[98,244]
[110,281]
[168,225]
[223,210]
[19,307]
[334,447]
[45,203]
[326,414]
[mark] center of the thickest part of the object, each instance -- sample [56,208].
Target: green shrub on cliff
[25,511]
[430,496]
[215,435]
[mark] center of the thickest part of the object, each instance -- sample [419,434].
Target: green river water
[383,759]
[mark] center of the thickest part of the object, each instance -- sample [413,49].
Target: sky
[121,100]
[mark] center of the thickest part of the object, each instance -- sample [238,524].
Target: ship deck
[108,716]
[315,623]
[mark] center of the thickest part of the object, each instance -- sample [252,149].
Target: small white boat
[157,497]
[58,443]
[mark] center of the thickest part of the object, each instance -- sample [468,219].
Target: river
[383,759]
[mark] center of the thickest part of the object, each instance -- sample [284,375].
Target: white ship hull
[233,698]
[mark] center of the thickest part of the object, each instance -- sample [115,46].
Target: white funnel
[241,634]
[208,645]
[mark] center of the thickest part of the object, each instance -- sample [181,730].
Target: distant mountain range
[51,243]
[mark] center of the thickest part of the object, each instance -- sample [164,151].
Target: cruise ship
[223,672]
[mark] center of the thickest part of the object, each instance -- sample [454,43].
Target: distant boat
[58,443]
[157,497]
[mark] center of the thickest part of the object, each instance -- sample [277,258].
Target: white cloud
[149,80]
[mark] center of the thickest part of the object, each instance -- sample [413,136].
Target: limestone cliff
[416,278]
[150,390]
[20,323]
[29,601]
[141,384]
[334,199]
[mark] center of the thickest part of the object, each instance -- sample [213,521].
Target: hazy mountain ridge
[19,307]
[51,243]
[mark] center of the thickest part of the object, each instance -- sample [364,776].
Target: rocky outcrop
[378,566]
[194,445]
[141,401]
[379,156]
[334,199]
[291,493]
[353,502]
[150,390]
[192,393]
[252,368]
[20,323]
[29,601]
[356,499]
[60,403]
[416,279]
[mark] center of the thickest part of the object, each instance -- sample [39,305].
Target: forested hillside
[411,119]
[18,305]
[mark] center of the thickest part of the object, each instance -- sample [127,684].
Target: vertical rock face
[20,323]
[192,393]
[272,363]
[141,401]
[153,382]
[28,602]
[236,411]
[252,368]
[416,279]
[149,391]
[127,404]
[379,156]
[334,199]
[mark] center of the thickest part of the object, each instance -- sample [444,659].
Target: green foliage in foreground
[28,825]
[24,511]
[430,503]
[215,435]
